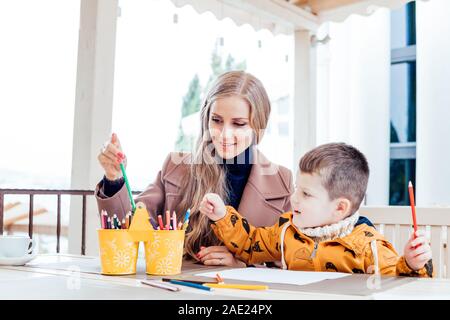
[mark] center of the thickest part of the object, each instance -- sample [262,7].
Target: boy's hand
[417,251]
[213,207]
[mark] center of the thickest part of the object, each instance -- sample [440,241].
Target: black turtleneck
[237,171]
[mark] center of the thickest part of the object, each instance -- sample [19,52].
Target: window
[38,63]
[403,104]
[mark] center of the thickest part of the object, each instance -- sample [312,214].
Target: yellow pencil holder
[119,247]
[164,252]
[118,252]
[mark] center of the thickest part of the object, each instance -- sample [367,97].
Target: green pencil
[133,205]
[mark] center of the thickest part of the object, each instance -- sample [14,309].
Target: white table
[58,277]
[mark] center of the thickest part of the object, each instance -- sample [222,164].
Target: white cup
[16,246]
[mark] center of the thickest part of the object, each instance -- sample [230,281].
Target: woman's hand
[417,251]
[110,158]
[219,256]
[212,206]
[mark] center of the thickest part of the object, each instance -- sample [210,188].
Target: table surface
[76,277]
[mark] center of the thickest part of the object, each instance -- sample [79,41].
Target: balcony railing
[31,193]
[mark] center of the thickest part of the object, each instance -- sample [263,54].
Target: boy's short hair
[344,171]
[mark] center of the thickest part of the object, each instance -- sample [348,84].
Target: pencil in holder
[118,252]
[164,252]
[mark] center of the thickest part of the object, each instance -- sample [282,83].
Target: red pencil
[160,221]
[103,219]
[413,206]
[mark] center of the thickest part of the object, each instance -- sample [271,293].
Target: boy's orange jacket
[362,251]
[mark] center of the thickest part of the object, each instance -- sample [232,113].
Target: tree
[218,68]
[192,99]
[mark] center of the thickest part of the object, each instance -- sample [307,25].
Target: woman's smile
[228,145]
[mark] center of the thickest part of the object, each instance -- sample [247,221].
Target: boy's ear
[343,207]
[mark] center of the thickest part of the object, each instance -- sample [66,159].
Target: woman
[225,161]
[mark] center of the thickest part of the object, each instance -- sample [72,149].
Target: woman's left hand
[219,256]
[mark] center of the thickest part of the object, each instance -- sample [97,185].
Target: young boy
[320,234]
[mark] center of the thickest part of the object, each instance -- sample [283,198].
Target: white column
[370,99]
[93,110]
[354,104]
[323,86]
[433,103]
[304,120]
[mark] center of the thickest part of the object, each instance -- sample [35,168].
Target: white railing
[395,223]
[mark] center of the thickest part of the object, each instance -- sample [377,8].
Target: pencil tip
[410,184]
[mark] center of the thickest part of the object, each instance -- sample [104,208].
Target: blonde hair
[205,174]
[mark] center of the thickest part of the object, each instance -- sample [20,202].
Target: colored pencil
[160,285]
[105,219]
[108,225]
[413,207]
[160,221]
[186,219]
[167,220]
[130,217]
[115,221]
[191,284]
[102,219]
[127,184]
[219,278]
[174,221]
[191,281]
[236,286]
[153,223]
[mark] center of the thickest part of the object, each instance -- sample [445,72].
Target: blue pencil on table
[191,284]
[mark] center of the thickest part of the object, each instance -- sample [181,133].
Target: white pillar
[93,111]
[304,120]
[433,103]
[354,97]
[370,99]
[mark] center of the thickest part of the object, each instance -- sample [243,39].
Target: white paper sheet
[275,275]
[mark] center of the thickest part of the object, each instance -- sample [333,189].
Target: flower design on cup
[121,259]
[164,266]
[170,244]
[156,242]
[151,253]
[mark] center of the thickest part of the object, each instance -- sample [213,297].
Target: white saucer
[19,261]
